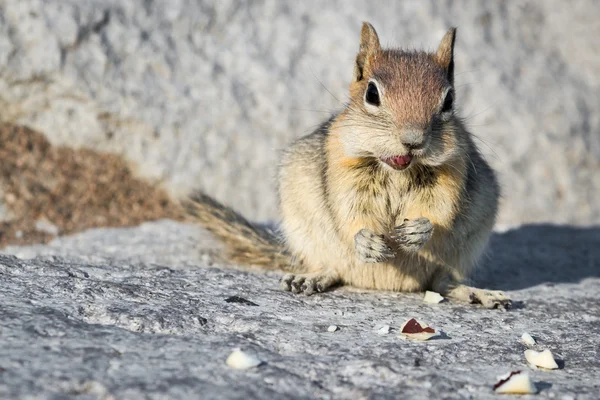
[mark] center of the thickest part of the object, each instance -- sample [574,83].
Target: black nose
[412,138]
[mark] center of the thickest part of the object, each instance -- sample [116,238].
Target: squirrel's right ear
[369,45]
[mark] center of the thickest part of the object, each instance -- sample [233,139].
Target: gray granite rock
[205,93]
[147,313]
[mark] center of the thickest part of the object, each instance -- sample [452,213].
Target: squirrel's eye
[448,102]
[372,95]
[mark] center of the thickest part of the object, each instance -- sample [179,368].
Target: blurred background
[109,106]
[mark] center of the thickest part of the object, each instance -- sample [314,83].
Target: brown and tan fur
[349,218]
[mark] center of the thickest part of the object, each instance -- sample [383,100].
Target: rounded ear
[369,45]
[445,53]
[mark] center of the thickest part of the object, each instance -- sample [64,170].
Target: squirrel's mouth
[398,162]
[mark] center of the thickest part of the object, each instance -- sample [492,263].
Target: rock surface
[203,93]
[146,312]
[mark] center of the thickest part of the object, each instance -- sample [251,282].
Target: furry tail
[245,243]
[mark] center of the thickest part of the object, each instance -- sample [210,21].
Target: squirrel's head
[401,108]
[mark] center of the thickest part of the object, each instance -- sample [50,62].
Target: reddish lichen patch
[72,189]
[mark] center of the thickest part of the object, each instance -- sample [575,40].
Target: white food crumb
[332,328]
[516,384]
[527,339]
[433,297]
[422,336]
[384,330]
[543,359]
[242,360]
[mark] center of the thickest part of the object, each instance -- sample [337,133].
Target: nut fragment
[242,360]
[332,328]
[527,339]
[516,382]
[543,359]
[433,297]
[416,330]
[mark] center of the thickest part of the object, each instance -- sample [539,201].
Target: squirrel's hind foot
[487,298]
[309,283]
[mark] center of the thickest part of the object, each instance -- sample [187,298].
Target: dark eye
[372,95]
[448,102]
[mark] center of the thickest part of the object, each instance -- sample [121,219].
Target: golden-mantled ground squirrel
[390,194]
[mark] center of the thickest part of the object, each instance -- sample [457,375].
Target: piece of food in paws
[516,382]
[541,359]
[417,330]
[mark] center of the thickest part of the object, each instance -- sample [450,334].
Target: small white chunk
[515,383]
[332,328]
[242,360]
[384,330]
[433,297]
[527,339]
[543,359]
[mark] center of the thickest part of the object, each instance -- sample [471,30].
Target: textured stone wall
[204,94]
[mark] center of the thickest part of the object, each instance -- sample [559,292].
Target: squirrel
[389,194]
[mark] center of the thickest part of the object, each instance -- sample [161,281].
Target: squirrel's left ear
[445,53]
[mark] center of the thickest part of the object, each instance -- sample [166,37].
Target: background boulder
[200,94]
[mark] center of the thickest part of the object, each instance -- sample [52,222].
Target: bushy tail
[244,242]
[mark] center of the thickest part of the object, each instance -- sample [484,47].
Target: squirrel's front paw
[413,234]
[371,247]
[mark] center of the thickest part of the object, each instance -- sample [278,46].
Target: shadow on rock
[535,254]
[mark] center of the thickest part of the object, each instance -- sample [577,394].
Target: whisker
[311,110]
[487,145]
[323,86]
[484,110]
[467,72]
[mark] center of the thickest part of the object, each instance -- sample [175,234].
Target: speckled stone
[143,312]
